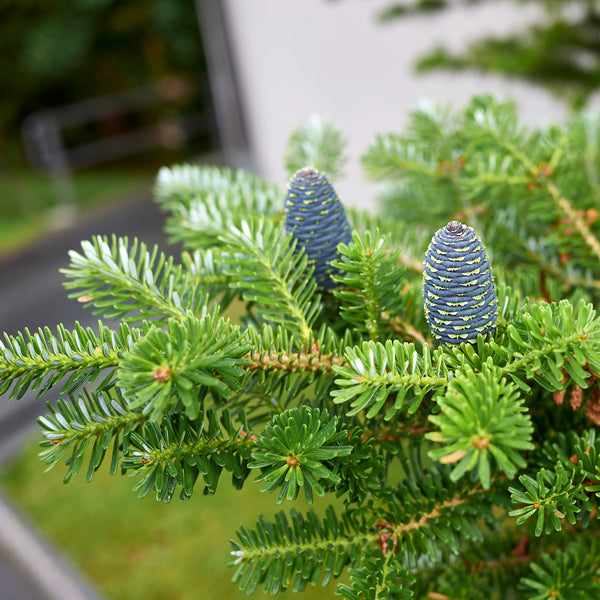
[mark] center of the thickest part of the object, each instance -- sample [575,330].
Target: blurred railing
[44,131]
[47,150]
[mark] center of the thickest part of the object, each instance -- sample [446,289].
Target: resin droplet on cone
[460,297]
[316,218]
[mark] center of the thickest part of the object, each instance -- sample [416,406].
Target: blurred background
[96,95]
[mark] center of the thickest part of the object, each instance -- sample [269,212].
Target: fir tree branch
[298,449]
[309,544]
[540,174]
[206,268]
[122,278]
[571,573]
[28,357]
[574,218]
[392,156]
[296,361]
[319,144]
[399,530]
[370,284]
[70,426]
[288,375]
[275,276]
[395,375]
[184,362]
[482,418]
[550,497]
[205,202]
[289,553]
[175,452]
[377,577]
[547,338]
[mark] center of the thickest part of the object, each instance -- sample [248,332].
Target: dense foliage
[466,470]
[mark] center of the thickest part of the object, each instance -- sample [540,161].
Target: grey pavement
[32,295]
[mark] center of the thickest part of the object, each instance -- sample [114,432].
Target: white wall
[299,57]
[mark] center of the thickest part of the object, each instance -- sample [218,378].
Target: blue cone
[460,297]
[315,216]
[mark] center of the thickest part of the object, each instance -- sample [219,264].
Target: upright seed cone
[460,297]
[316,218]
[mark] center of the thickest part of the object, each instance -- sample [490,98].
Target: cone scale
[459,293]
[316,218]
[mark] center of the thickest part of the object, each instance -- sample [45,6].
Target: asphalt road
[32,295]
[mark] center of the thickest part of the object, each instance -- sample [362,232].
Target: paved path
[31,295]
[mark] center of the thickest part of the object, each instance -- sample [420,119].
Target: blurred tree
[52,53]
[561,52]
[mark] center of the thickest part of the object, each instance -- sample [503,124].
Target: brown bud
[591,215]
[162,374]
[576,399]
[592,408]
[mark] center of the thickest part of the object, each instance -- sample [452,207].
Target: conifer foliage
[454,417]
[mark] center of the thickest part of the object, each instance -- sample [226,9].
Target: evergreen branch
[297,449]
[571,574]
[28,357]
[551,344]
[186,182]
[511,141]
[122,278]
[488,120]
[278,375]
[371,281]
[207,269]
[546,341]
[579,455]
[481,579]
[393,156]
[395,375]
[271,273]
[184,362]
[205,202]
[411,242]
[281,349]
[494,179]
[574,218]
[275,551]
[551,492]
[482,417]
[177,451]
[377,577]
[318,144]
[425,509]
[289,553]
[292,362]
[70,426]
[264,393]
[362,472]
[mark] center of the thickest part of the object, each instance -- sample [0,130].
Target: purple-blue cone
[316,218]
[460,297]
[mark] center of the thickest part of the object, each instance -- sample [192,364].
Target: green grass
[134,549]
[27,199]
